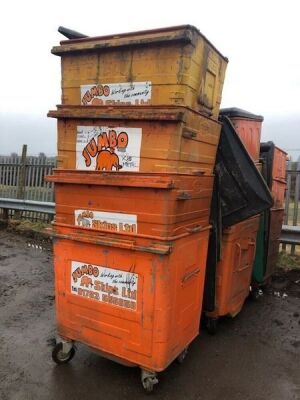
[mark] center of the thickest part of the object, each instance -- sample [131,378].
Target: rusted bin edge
[152,113]
[105,43]
[181,33]
[280,180]
[138,244]
[126,179]
[118,112]
[70,230]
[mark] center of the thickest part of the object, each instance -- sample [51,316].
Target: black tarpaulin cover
[242,190]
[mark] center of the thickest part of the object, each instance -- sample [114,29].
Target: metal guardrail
[290,234]
[27,205]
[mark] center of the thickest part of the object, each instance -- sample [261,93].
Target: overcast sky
[260,38]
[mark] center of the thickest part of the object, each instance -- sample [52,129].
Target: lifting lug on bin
[148,379]
[184,196]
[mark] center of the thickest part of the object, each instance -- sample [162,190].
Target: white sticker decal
[111,222]
[127,93]
[102,148]
[103,284]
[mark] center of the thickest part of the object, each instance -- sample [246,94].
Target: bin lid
[243,191]
[185,34]
[234,112]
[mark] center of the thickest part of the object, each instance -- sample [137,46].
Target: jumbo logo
[125,93]
[92,94]
[107,149]
[107,285]
[103,148]
[83,271]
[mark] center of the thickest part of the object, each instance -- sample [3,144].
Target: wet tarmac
[252,357]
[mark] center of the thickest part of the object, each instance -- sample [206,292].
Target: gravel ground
[254,356]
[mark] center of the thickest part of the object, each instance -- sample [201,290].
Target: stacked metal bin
[137,133]
[242,194]
[271,162]
[274,171]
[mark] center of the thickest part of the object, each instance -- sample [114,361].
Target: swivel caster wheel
[182,356]
[63,352]
[211,325]
[255,293]
[148,379]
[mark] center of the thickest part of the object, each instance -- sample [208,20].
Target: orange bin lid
[111,178]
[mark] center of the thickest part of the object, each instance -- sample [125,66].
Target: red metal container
[248,127]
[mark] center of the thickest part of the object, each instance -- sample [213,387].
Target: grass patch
[288,261]
[28,228]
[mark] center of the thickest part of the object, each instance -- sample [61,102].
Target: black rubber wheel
[59,357]
[255,293]
[182,356]
[211,325]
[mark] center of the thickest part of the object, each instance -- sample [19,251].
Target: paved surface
[254,356]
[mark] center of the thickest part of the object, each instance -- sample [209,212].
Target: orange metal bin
[248,127]
[233,274]
[175,65]
[278,183]
[274,161]
[276,216]
[279,164]
[152,205]
[144,139]
[133,300]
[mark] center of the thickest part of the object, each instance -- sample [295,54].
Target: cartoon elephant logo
[86,281]
[107,161]
[81,221]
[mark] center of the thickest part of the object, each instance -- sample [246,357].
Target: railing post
[22,178]
[296,201]
[287,196]
[5,215]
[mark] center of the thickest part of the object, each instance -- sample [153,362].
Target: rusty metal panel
[248,127]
